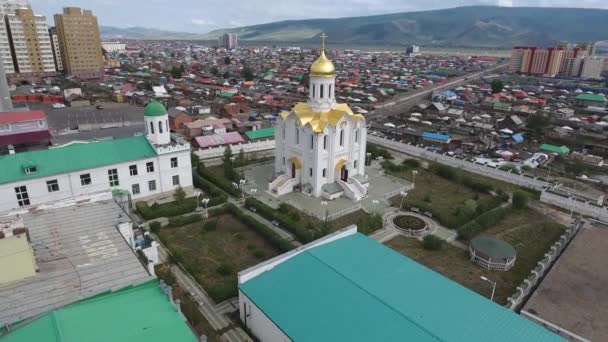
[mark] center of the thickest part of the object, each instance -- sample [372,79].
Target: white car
[58,105]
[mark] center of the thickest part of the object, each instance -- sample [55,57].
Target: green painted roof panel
[74,157]
[155,108]
[356,289]
[555,149]
[260,133]
[136,314]
[591,97]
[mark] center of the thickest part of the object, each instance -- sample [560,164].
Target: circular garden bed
[408,222]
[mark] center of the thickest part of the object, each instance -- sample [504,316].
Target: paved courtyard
[380,189]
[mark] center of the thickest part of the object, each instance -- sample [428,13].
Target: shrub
[376,152]
[445,172]
[166,209]
[411,163]
[216,195]
[220,181]
[431,242]
[155,227]
[179,195]
[481,223]
[259,254]
[178,221]
[301,229]
[224,269]
[520,200]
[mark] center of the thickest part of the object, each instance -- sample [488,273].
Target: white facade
[8,7]
[69,185]
[592,68]
[23,56]
[114,46]
[56,49]
[321,145]
[229,41]
[157,129]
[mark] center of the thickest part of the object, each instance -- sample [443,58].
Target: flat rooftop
[79,253]
[574,295]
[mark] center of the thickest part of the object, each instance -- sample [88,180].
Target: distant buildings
[413,51]
[8,7]
[56,48]
[30,43]
[563,60]
[114,46]
[229,41]
[80,43]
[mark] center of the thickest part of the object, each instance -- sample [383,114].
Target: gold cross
[323,36]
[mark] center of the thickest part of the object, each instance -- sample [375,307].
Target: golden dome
[322,67]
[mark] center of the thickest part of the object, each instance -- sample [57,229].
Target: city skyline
[204,18]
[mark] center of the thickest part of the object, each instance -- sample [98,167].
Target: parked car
[58,105]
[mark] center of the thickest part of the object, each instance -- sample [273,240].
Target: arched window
[312,141]
[321,91]
[160,127]
[325,142]
[324,173]
[330,88]
[355,164]
[314,90]
[341,137]
[356,135]
[297,136]
[167,125]
[151,127]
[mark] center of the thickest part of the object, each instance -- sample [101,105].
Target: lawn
[366,223]
[451,203]
[524,229]
[214,251]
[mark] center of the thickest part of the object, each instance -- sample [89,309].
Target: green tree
[520,200]
[227,60]
[215,71]
[176,72]
[497,86]
[247,74]
[537,123]
[179,195]
[240,158]
[431,242]
[228,164]
[226,75]
[194,159]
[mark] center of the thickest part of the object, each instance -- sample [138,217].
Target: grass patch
[214,256]
[366,223]
[188,306]
[168,209]
[524,229]
[409,222]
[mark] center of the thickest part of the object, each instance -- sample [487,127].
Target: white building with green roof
[145,166]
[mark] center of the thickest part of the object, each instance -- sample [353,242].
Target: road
[403,103]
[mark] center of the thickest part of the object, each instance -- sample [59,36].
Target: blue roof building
[436,137]
[348,287]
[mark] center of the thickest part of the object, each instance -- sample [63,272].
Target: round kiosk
[492,253]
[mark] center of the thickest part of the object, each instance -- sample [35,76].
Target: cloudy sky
[207,15]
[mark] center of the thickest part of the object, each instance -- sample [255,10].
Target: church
[320,144]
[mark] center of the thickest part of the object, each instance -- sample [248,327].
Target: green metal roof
[591,97]
[356,289]
[74,157]
[227,94]
[493,248]
[155,108]
[260,133]
[135,314]
[555,149]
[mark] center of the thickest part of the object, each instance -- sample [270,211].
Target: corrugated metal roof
[219,139]
[591,97]
[11,117]
[78,156]
[356,289]
[555,149]
[436,136]
[260,133]
[136,314]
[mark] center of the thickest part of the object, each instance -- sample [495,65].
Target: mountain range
[474,26]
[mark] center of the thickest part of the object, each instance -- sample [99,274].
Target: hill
[474,26]
[109,32]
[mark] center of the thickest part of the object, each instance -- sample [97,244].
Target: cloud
[202,22]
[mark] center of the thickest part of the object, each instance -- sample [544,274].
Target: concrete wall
[216,152]
[589,208]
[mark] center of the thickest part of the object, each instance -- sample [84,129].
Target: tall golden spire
[323,66]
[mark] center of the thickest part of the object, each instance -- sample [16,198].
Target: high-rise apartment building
[229,41]
[30,43]
[56,50]
[536,61]
[79,42]
[592,68]
[8,7]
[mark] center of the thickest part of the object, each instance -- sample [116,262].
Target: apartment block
[592,68]
[8,7]
[79,43]
[56,50]
[536,61]
[229,41]
[30,43]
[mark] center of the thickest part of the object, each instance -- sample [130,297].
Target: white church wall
[258,323]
